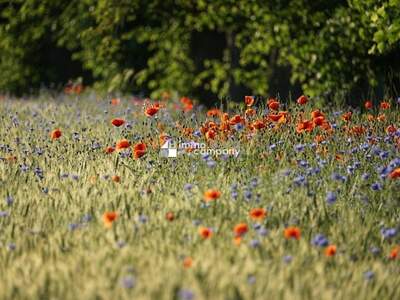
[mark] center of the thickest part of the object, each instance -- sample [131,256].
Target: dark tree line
[207,49]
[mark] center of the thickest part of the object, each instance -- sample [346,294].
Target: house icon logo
[169,149]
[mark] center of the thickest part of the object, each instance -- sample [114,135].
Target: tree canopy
[202,48]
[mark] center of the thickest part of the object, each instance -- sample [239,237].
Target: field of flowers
[307,207]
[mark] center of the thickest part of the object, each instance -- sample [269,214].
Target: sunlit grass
[54,193]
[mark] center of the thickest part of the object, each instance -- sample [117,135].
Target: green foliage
[148,46]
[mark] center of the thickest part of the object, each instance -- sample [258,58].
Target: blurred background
[206,49]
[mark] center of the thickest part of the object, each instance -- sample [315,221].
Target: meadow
[308,209]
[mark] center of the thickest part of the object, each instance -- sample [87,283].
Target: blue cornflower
[254,182]
[384,154]
[388,233]
[11,246]
[331,197]
[143,219]
[394,163]
[239,127]
[234,195]
[353,150]
[262,231]
[299,147]
[320,241]
[322,162]
[75,136]
[128,282]
[39,151]
[338,177]
[376,186]
[205,156]
[96,145]
[375,251]
[86,218]
[4,214]
[369,275]
[255,243]
[350,169]
[121,244]
[302,163]
[286,172]
[247,194]
[287,259]
[64,175]
[73,226]
[211,163]
[196,222]
[188,187]
[38,172]
[365,176]
[299,180]
[251,279]
[9,200]
[185,294]
[197,133]
[272,147]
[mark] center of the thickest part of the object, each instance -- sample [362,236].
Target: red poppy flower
[384,105]
[316,113]
[258,213]
[170,216]
[250,112]
[187,103]
[236,120]
[292,232]
[368,104]
[214,112]
[139,150]
[258,124]
[381,117]
[240,229]
[122,144]
[330,250]
[249,100]
[391,129]
[302,100]
[151,111]
[318,121]
[304,126]
[347,116]
[394,253]
[115,101]
[205,232]
[280,117]
[210,134]
[273,104]
[109,217]
[118,122]
[109,150]
[55,134]
[116,178]
[211,195]
[394,174]
[187,262]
